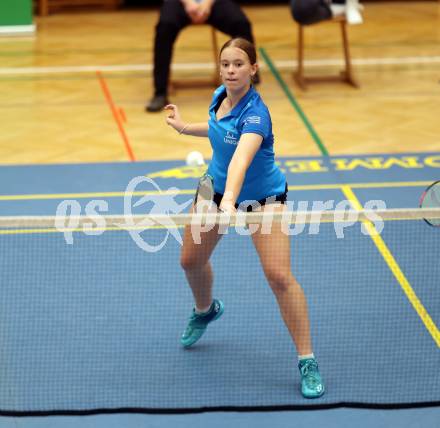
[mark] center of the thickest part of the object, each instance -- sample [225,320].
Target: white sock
[306,357]
[201,311]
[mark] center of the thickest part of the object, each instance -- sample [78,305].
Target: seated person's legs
[171,21]
[227,17]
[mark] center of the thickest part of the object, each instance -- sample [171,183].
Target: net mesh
[92,310]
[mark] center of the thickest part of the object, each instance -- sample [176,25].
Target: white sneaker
[352,13]
[338,9]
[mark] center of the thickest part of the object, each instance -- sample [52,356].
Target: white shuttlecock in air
[195,159]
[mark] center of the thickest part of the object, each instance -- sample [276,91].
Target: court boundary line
[86,195]
[208,409]
[395,269]
[281,64]
[117,115]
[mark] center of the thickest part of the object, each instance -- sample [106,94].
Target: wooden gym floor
[76,91]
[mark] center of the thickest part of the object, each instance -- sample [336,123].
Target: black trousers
[256,204]
[226,16]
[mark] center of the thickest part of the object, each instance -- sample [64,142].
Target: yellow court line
[384,184]
[395,269]
[388,184]
[44,196]
[85,229]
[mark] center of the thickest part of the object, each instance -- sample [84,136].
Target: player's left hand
[173,119]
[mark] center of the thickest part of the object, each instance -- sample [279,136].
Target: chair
[345,75]
[214,80]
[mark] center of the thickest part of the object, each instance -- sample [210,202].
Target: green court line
[119,194]
[293,101]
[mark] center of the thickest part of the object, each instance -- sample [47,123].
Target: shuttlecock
[195,159]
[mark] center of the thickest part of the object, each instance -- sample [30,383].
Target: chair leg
[348,73]
[299,75]
[43,7]
[213,80]
[215,50]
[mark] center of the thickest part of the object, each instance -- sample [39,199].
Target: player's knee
[278,280]
[189,263]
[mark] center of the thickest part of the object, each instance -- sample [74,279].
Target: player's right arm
[176,122]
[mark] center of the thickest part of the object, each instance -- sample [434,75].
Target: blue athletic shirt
[263,177]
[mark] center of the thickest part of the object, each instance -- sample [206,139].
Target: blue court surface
[94,326]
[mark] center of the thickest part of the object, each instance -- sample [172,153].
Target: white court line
[17,30]
[282,64]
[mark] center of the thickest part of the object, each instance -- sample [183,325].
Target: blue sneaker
[311,382]
[198,323]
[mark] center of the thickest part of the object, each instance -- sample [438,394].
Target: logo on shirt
[230,138]
[254,120]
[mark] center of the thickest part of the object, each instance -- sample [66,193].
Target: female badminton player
[243,169]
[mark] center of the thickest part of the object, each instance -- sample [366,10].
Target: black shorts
[282,198]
